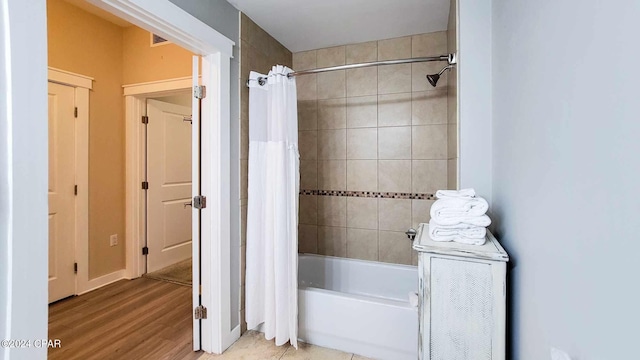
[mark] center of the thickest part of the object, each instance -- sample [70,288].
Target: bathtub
[358,306]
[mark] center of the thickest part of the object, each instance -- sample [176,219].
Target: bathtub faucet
[411,233]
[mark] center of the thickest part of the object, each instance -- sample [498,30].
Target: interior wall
[452,98]
[565,155]
[474,94]
[23,170]
[144,63]
[373,147]
[86,44]
[259,51]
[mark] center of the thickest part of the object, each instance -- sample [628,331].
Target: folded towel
[454,211]
[464,193]
[466,234]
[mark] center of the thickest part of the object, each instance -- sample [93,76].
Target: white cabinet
[462,294]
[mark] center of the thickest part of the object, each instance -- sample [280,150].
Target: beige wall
[85,44]
[452,100]
[259,51]
[143,63]
[381,130]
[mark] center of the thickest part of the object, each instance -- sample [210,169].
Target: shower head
[433,78]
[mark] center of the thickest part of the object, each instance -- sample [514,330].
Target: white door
[169,177]
[61,191]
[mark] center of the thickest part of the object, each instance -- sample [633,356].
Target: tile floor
[253,346]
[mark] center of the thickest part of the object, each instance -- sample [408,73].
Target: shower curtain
[272,213]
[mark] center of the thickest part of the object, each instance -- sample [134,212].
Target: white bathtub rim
[366,298]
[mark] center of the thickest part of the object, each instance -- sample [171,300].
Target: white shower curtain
[272,213]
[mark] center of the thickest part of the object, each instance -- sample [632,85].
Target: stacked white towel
[459,216]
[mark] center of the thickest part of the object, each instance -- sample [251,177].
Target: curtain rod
[451,58]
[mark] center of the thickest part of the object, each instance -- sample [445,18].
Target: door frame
[135,97]
[164,18]
[81,84]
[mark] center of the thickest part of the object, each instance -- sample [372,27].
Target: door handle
[190,203]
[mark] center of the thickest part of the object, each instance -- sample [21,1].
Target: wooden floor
[130,319]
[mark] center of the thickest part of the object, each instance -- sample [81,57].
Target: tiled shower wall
[258,52]
[375,132]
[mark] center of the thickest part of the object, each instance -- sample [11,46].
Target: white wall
[474,89]
[566,171]
[23,187]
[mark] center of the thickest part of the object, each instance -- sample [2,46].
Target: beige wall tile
[394,176]
[452,141]
[332,241]
[391,49]
[244,141]
[419,72]
[429,107]
[394,247]
[452,174]
[431,44]
[308,141]
[332,175]
[428,176]
[332,85]
[332,211]
[332,114]
[362,144]
[307,87]
[304,60]
[308,174]
[362,52]
[394,109]
[243,225]
[414,258]
[307,115]
[362,111]
[362,175]
[332,56]
[244,179]
[362,82]
[308,212]
[420,212]
[243,264]
[394,143]
[307,239]
[429,142]
[332,144]
[362,213]
[394,214]
[394,79]
[362,244]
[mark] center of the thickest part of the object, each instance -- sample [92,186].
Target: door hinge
[75,268]
[188,119]
[75,189]
[199,92]
[145,185]
[145,251]
[75,112]
[200,312]
[145,119]
[199,202]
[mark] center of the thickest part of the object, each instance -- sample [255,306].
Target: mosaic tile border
[370,194]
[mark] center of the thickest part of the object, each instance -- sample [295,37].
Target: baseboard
[101,281]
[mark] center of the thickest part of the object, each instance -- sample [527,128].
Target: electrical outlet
[113,240]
